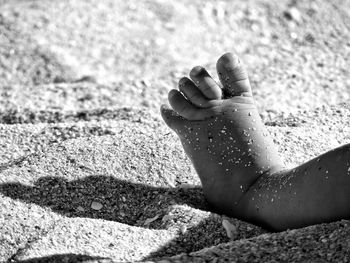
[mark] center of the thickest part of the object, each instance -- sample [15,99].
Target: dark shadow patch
[207,233]
[27,116]
[108,198]
[66,258]
[121,201]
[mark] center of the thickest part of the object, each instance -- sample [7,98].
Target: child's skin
[238,164]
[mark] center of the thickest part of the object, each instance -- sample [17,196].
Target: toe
[233,76]
[193,94]
[179,124]
[182,106]
[205,83]
[172,119]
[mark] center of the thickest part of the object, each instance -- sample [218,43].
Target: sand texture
[88,170]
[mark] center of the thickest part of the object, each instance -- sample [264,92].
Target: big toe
[233,76]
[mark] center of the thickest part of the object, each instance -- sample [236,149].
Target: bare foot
[222,133]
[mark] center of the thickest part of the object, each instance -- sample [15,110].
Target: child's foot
[222,133]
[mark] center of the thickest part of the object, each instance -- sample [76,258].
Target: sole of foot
[222,133]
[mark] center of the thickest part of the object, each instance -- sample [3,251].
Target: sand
[88,170]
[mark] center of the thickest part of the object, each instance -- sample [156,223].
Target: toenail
[230,61]
[196,71]
[183,81]
[172,93]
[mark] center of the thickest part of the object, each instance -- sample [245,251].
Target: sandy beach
[89,172]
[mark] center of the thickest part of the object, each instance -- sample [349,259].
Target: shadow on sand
[67,258]
[121,201]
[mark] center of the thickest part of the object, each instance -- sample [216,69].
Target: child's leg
[315,192]
[237,162]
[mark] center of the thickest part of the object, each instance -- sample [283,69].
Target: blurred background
[72,55]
